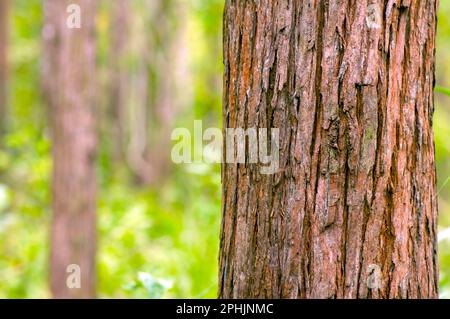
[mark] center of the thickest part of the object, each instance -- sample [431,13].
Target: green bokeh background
[159,242]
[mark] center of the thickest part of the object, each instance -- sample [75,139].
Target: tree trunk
[350,86]
[4,13]
[155,88]
[120,75]
[71,91]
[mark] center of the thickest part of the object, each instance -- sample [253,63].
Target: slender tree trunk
[4,13]
[351,88]
[121,75]
[156,88]
[72,107]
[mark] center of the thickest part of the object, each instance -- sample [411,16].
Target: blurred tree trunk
[71,92]
[155,104]
[121,75]
[4,14]
[352,213]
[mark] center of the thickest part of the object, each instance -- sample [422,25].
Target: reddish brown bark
[4,13]
[357,185]
[71,90]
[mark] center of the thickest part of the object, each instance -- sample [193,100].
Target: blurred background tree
[4,22]
[68,77]
[159,66]
[441,133]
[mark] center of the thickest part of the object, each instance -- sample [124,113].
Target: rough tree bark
[4,13]
[356,190]
[71,90]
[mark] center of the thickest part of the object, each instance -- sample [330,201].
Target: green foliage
[152,243]
[155,287]
[442,90]
[171,233]
[442,132]
[24,166]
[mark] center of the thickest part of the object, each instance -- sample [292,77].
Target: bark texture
[357,184]
[70,84]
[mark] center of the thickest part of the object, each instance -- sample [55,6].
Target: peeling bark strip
[357,186]
[69,83]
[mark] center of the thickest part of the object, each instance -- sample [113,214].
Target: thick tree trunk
[4,13]
[71,91]
[356,190]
